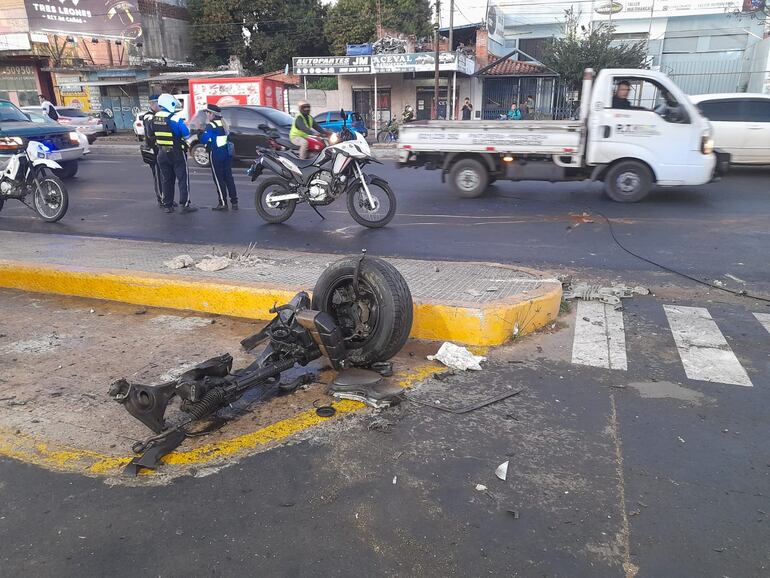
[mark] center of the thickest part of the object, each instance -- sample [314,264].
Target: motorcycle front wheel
[384,204]
[273,211]
[49,197]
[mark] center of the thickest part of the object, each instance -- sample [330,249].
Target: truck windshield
[9,113]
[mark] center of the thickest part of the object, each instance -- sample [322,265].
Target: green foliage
[277,31]
[323,83]
[355,21]
[593,48]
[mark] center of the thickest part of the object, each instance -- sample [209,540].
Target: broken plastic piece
[180,262]
[610,295]
[457,357]
[213,263]
[325,411]
[481,488]
[502,471]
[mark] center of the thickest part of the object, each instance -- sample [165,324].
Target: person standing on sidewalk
[215,137]
[150,150]
[467,109]
[170,134]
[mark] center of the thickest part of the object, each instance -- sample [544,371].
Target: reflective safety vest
[220,133]
[295,132]
[161,127]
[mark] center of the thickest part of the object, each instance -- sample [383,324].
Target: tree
[593,47]
[264,34]
[355,21]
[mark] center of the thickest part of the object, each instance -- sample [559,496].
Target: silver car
[75,119]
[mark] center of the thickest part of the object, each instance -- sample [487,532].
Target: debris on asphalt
[502,471]
[457,357]
[325,411]
[681,439]
[180,262]
[514,513]
[474,293]
[719,549]
[481,488]
[734,278]
[469,408]
[611,295]
[443,376]
[380,424]
[395,480]
[371,401]
[210,263]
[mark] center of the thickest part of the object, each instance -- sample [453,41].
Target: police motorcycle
[335,172]
[28,173]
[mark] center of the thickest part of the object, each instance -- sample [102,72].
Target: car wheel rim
[628,182]
[468,180]
[200,156]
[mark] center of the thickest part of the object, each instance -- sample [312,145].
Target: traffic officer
[170,134]
[150,149]
[215,137]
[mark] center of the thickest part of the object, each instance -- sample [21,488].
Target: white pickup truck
[655,136]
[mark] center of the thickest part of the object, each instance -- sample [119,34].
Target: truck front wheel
[628,182]
[469,178]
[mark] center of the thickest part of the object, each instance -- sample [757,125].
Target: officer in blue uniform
[216,139]
[150,151]
[170,133]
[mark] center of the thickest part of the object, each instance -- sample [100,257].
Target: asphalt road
[706,231]
[659,465]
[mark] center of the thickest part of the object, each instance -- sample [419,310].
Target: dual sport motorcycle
[336,171]
[28,173]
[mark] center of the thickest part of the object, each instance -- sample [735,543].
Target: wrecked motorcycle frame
[349,321]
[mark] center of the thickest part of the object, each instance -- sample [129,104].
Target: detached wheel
[376,323]
[628,182]
[200,155]
[270,210]
[469,178]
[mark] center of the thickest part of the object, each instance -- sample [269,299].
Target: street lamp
[435,78]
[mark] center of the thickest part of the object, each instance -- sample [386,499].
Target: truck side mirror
[263,127]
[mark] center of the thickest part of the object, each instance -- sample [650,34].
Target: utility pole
[451,103]
[434,116]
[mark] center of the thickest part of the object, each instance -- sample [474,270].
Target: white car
[42,118]
[139,125]
[741,123]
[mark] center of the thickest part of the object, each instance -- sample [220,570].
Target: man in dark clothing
[215,137]
[620,98]
[467,109]
[150,149]
[303,126]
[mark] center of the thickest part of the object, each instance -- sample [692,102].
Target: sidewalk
[473,303]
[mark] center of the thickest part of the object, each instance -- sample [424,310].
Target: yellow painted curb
[61,458]
[470,324]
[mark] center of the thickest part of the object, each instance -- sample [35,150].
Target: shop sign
[16,73]
[418,62]
[331,65]
[110,18]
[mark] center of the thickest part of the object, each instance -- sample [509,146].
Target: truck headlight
[74,137]
[707,144]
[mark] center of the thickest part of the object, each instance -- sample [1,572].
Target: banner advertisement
[109,19]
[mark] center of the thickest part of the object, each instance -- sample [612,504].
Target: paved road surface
[707,231]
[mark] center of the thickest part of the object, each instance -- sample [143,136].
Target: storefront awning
[116,82]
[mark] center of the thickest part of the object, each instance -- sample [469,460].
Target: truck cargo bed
[540,137]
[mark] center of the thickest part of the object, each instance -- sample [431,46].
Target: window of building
[534,47]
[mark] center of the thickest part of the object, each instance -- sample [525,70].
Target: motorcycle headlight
[74,137]
[334,139]
[10,143]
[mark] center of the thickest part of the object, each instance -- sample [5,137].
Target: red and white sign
[234,91]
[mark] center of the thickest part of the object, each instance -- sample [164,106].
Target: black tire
[628,182]
[381,286]
[469,178]
[68,170]
[282,211]
[200,155]
[358,210]
[53,209]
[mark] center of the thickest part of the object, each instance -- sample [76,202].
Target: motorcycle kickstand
[317,213]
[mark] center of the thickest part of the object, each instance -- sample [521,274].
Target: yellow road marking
[51,456]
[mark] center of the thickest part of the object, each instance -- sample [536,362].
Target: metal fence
[549,95]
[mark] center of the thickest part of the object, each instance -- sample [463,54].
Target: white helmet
[168,102]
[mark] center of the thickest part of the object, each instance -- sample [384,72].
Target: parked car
[247,130]
[63,142]
[331,120]
[108,121]
[741,123]
[75,119]
[138,125]
[42,118]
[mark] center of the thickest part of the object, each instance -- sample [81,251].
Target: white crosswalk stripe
[600,339]
[764,319]
[704,351]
